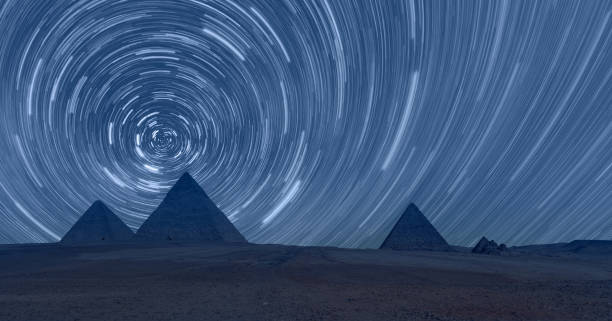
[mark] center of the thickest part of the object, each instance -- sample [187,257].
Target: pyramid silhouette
[98,224]
[187,213]
[414,232]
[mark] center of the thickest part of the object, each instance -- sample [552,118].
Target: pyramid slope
[414,232]
[187,213]
[98,224]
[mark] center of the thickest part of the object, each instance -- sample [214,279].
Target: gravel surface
[271,282]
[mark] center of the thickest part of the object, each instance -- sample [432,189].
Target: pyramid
[414,232]
[98,224]
[485,246]
[188,214]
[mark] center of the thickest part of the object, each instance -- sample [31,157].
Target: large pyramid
[97,225]
[414,232]
[188,214]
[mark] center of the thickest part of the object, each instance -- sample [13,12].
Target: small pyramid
[484,246]
[188,214]
[98,224]
[414,232]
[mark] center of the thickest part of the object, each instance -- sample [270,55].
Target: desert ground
[215,281]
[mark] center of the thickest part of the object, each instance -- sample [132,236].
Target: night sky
[311,122]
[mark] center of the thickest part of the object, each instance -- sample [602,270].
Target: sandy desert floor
[271,282]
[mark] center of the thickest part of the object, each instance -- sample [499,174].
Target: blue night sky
[311,122]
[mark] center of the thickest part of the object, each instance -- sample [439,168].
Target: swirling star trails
[311,122]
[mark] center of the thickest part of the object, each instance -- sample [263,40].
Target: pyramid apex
[186,181]
[97,208]
[186,175]
[186,178]
[413,206]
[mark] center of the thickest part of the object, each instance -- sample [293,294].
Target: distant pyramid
[484,246]
[414,232]
[187,213]
[98,224]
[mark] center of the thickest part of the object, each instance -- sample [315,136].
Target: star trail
[311,122]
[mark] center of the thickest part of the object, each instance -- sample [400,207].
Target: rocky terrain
[216,281]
